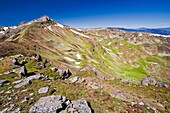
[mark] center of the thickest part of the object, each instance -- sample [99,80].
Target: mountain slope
[106,57]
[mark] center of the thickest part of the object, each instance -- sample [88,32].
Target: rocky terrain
[49,67]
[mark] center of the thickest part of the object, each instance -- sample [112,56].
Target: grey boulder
[77,79]
[81,106]
[27,80]
[162,84]
[2,82]
[43,90]
[149,80]
[54,69]
[59,104]
[49,104]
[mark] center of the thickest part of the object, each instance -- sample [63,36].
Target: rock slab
[59,104]
[27,80]
[53,103]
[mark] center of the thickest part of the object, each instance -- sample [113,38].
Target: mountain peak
[43,18]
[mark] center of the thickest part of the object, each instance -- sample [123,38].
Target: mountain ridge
[114,70]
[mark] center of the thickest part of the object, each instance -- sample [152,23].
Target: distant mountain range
[162,31]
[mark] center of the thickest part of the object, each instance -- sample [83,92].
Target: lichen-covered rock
[3,82]
[27,80]
[23,71]
[74,79]
[59,104]
[43,89]
[77,79]
[7,72]
[6,110]
[65,74]
[18,110]
[149,80]
[15,61]
[49,104]
[81,106]
[162,84]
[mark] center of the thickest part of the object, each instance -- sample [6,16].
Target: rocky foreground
[26,91]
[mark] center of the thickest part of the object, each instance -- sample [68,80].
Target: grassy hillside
[109,57]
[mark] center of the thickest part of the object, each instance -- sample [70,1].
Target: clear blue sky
[89,13]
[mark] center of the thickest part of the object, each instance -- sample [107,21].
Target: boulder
[126,82]
[23,71]
[43,90]
[18,56]
[59,104]
[27,80]
[74,79]
[141,103]
[15,61]
[54,69]
[162,84]
[17,110]
[60,72]
[6,110]
[149,80]
[7,72]
[49,104]
[66,74]
[16,82]
[38,58]
[81,106]
[77,79]
[2,82]
[23,62]
[42,65]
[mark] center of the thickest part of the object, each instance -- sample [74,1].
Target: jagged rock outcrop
[64,74]
[42,19]
[15,61]
[53,103]
[23,71]
[59,104]
[150,80]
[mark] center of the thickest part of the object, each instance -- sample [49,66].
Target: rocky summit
[48,67]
